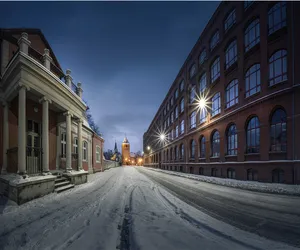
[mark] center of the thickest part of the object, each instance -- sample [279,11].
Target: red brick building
[245,66]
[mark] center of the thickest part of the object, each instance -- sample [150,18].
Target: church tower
[125,152]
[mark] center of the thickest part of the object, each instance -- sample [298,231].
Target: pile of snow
[248,185]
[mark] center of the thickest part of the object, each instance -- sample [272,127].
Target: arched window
[278,67]
[203,115]
[278,176]
[201,171]
[232,93]
[202,56]
[214,172]
[192,94]
[216,104]
[252,175]
[278,131]
[252,36]
[84,150]
[202,146]
[253,135]
[192,148]
[176,94]
[181,87]
[252,80]
[193,70]
[232,140]
[230,54]
[182,127]
[215,70]
[176,131]
[230,173]
[277,17]
[230,20]
[182,105]
[214,40]
[215,144]
[98,158]
[176,153]
[181,151]
[193,120]
[202,83]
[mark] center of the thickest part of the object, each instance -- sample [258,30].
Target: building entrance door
[34,151]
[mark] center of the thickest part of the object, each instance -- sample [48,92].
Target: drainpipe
[293,94]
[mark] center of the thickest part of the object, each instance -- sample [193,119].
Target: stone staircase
[62,184]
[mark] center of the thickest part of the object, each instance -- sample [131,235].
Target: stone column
[47,59]
[79,143]
[69,141]
[22,130]
[58,146]
[24,43]
[68,78]
[5,137]
[45,133]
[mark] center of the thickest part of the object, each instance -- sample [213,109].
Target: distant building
[126,152]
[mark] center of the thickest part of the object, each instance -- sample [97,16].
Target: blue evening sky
[126,54]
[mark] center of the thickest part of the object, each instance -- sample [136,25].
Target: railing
[33,160]
[74,88]
[12,160]
[53,68]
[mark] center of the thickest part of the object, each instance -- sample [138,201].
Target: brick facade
[266,164]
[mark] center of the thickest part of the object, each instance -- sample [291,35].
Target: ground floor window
[230,173]
[97,154]
[252,175]
[84,150]
[278,176]
[201,171]
[175,168]
[214,172]
[191,170]
[171,168]
[180,169]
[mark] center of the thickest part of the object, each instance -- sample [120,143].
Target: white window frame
[84,151]
[98,154]
[63,144]
[75,145]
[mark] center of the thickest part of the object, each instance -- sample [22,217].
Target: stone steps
[62,184]
[64,188]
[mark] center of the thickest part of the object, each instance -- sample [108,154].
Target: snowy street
[137,208]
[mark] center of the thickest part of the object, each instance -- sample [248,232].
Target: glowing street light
[162,137]
[202,103]
[148,147]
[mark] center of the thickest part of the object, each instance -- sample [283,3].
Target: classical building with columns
[43,124]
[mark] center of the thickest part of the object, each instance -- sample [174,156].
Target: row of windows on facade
[278,73]
[276,21]
[252,174]
[75,148]
[278,139]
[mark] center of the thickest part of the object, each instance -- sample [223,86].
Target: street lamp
[148,148]
[162,137]
[202,103]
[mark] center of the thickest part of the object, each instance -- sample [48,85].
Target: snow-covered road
[136,208]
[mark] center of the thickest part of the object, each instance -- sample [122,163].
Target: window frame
[232,140]
[257,86]
[283,61]
[202,83]
[98,154]
[215,70]
[282,9]
[214,40]
[202,147]
[215,144]
[282,125]
[216,104]
[84,151]
[232,93]
[193,120]
[192,149]
[253,149]
[248,41]
[231,49]
[231,16]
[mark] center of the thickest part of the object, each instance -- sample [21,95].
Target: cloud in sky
[126,54]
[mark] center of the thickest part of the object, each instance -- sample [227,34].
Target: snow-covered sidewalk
[274,188]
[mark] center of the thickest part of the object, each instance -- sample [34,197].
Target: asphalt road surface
[132,208]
